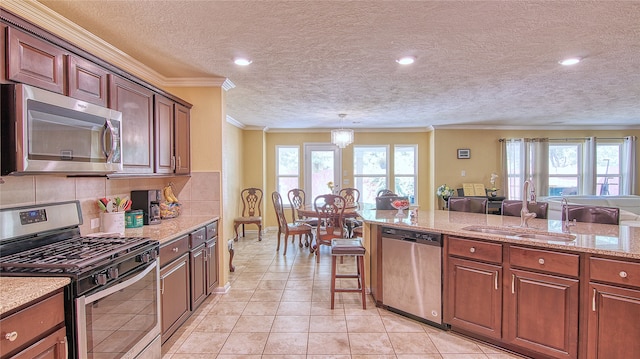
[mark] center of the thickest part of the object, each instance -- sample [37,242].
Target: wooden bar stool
[348,247]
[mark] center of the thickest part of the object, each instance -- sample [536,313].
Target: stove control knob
[145,257]
[112,273]
[100,278]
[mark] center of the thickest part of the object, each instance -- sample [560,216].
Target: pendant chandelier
[342,137]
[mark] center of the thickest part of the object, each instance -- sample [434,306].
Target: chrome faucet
[566,223]
[527,189]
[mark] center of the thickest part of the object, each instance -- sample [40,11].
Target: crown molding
[360,130]
[534,128]
[233,122]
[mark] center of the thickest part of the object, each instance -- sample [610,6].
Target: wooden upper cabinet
[87,81]
[164,134]
[136,104]
[182,140]
[34,62]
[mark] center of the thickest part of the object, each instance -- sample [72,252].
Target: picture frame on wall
[464,153]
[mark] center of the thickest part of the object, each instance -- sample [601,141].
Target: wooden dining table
[350,212]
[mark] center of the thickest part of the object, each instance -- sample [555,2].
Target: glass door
[322,165]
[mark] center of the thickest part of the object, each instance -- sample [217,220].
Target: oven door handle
[110,290]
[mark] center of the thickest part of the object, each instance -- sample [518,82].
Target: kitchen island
[545,298]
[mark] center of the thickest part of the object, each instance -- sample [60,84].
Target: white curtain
[512,152]
[628,165]
[589,179]
[537,164]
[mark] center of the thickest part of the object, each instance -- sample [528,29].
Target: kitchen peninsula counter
[619,241]
[18,291]
[170,228]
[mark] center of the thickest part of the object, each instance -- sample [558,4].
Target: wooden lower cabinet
[174,295]
[613,306]
[474,297]
[542,313]
[54,346]
[528,302]
[198,263]
[212,264]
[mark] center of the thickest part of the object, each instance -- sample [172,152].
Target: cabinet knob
[472,249]
[11,336]
[174,249]
[623,274]
[541,260]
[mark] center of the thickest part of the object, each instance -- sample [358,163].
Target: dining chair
[330,210]
[512,207]
[297,198]
[251,211]
[468,204]
[351,197]
[289,229]
[591,214]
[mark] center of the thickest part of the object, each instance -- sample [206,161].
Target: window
[370,171]
[589,166]
[608,169]
[565,169]
[287,168]
[405,170]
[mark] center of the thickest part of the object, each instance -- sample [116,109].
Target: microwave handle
[108,128]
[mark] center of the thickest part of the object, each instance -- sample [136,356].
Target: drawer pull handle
[11,336]
[623,274]
[593,301]
[513,284]
[472,249]
[541,260]
[174,249]
[496,280]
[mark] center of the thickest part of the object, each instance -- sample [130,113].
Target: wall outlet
[345,181]
[463,173]
[95,223]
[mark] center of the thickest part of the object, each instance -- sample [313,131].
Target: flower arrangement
[493,179]
[330,185]
[444,191]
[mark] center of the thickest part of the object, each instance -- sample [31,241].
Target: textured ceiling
[486,64]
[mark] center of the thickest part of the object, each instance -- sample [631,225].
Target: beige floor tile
[299,284]
[291,324]
[237,295]
[412,343]
[370,343]
[203,343]
[399,324]
[328,324]
[237,356]
[324,308]
[286,343]
[464,356]
[297,295]
[266,295]
[228,308]
[254,324]
[380,356]
[261,308]
[448,343]
[294,308]
[217,323]
[245,343]
[276,276]
[283,356]
[271,284]
[328,343]
[333,356]
[364,324]
[418,356]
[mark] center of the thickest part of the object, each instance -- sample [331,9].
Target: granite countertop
[620,241]
[17,291]
[170,229]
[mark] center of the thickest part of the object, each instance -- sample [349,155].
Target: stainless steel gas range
[112,306]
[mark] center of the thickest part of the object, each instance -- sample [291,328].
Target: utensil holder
[112,222]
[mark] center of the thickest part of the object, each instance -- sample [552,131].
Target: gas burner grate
[70,255]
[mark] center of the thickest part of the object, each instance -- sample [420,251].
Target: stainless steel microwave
[45,132]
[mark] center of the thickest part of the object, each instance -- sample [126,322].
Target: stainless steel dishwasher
[412,273]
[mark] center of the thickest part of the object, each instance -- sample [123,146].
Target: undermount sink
[522,233]
[548,237]
[502,232]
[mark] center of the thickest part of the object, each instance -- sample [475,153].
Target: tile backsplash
[198,194]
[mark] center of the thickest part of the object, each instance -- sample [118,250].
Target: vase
[446,202]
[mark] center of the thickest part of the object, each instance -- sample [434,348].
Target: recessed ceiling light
[570,61]
[406,60]
[242,61]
